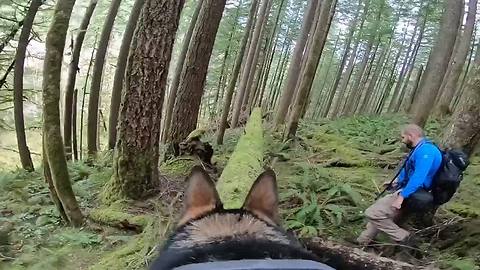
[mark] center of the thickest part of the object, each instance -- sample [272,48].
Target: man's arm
[423,163]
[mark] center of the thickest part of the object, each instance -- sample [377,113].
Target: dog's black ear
[201,196]
[262,200]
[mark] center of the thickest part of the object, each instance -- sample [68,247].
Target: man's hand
[397,204]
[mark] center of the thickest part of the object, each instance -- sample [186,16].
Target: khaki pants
[381,218]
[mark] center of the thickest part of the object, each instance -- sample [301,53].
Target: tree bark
[73,68]
[295,62]
[74,125]
[464,130]
[93,101]
[23,150]
[250,63]
[135,165]
[119,76]
[178,71]
[234,77]
[438,61]
[319,38]
[416,84]
[443,105]
[194,72]
[55,43]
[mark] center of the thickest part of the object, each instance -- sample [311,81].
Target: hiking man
[421,165]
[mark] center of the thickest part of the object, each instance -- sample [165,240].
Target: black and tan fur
[206,232]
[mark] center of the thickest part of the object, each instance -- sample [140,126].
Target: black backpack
[449,175]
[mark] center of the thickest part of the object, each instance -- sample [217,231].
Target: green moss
[177,167]
[115,213]
[244,165]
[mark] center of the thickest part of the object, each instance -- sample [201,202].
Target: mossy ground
[327,178]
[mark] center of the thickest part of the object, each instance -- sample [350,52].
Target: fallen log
[343,257]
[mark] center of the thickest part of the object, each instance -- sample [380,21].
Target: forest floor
[327,178]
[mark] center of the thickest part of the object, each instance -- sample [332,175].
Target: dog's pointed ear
[201,196]
[262,200]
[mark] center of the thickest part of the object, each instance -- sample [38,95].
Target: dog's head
[208,232]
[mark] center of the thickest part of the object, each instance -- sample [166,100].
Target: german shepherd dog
[207,233]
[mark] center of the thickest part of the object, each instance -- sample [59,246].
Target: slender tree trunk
[373,82]
[416,84]
[394,100]
[437,62]
[84,91]
[295,62]
[281,77]
[51,187]
[464,130]
[74,125]
[443,106]
[94,97]
[118,79]
[73,68]
[194,72]
[319,38]
[468,72]
[135,164]
[23,150]
[3,79]
[234,77]
[337,107]
[55,43]
[178,71]
[411,64]
[245,82]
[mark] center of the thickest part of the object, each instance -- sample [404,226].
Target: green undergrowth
[332,172]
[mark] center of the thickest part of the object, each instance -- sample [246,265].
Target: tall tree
[72,76]
[93,100]
[458,61]
[464,130]
[118,79]
[194,72]
[295,61]
[135,162]
[250,63]
[23,40]
[438,61]
[318,42]
[234,77]
[178,72]
[52,137]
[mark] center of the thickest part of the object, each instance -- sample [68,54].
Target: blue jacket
[422,165]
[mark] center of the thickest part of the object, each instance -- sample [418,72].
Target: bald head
[411,135]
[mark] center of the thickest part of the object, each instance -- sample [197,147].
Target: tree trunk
[464,130]
[172,94]
[135,165]
[320,36]
[281,77]
[23,150]
[373,82]
[93,101]
[438,61]
[194,72]
[252,57]
[84,90]
[74,125]
[55,43]
[395,97]
[295,62]
[234,77]
[411,64]
[118,79]
[443,106]
[416,84]
[337,107]
[73,68]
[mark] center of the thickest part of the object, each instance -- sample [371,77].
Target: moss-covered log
[244,165]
